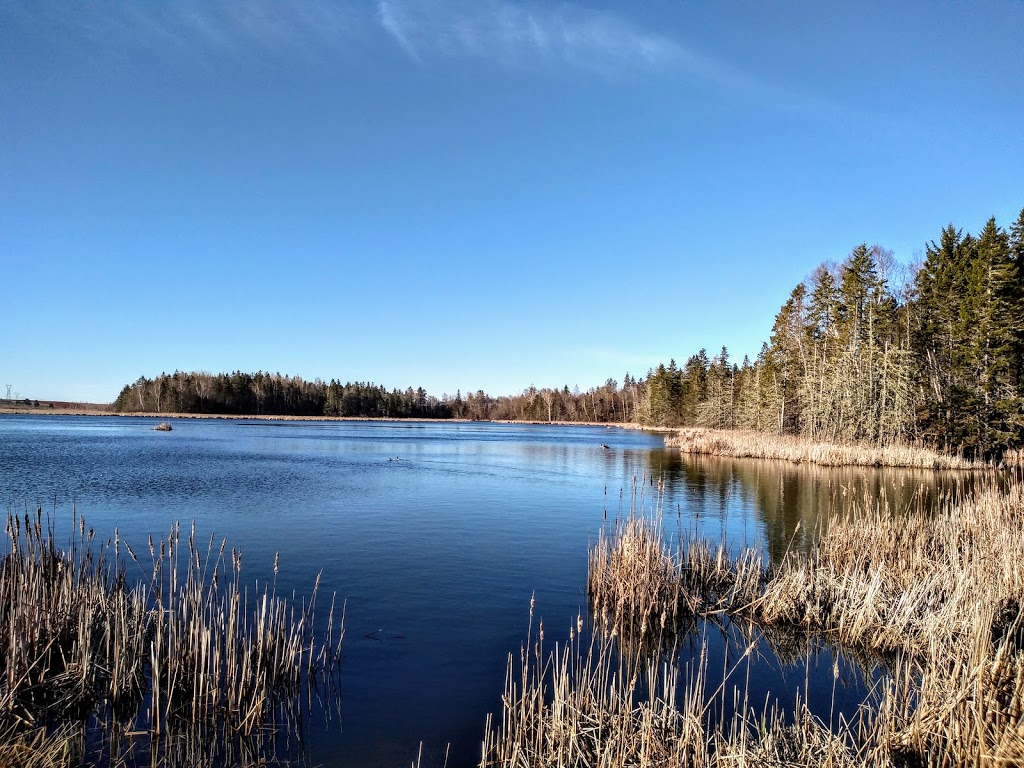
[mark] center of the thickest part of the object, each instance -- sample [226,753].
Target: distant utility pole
[8,391]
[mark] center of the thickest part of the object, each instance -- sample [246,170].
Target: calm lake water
[435,535]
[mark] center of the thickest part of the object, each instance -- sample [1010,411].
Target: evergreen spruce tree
[788,359]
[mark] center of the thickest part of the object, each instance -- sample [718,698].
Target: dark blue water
[435,535]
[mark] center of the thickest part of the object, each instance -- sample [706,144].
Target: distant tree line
[273,394]
[607,403]
[864,349]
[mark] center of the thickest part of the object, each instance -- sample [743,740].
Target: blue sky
[481,194]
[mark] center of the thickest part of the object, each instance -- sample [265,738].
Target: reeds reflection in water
[158,660]
[936,601]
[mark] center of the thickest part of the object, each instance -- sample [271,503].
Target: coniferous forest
[865,349]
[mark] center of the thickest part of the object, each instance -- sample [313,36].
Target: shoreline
[165,415]
[740,444]
[695,441]
[929,606]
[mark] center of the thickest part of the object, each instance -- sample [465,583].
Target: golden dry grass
[649,593]
[943,597]
[894,583]
[940,598]
[759,445]
[39,748]
[184,647]
[1014,458]
[591,706]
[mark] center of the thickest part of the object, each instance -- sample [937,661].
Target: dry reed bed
[594,707]
[647,594]
[942,596]
[69,746]
[40,748]
[939,597]
[891,583]
[1014,458]
[759,445]
[184,646]
[618,700]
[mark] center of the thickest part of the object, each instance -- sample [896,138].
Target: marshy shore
[936,603]
[705,441]
[759,445]
[169,659]
[104,410]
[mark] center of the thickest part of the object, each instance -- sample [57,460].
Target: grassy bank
[607,704]
[56,408]
[648,596]
[942,597]
[938,600]
[173,648]
[759,445]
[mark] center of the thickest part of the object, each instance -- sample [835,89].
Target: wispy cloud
[532,35]
[394,24]
[525,35]
[200,27]
[521,34]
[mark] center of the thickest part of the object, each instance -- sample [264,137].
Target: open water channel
[436,536]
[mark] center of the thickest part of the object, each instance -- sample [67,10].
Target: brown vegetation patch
[184,648]
[938,598]
[649,594]
[759,445]
[593,705]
